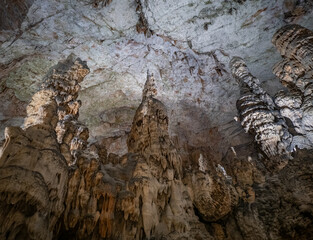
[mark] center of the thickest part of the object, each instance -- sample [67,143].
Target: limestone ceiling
[187,46]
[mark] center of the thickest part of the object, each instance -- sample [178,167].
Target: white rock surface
[188,54]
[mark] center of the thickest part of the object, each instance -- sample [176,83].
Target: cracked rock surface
[188,47]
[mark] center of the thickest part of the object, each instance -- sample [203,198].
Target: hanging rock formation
[295,71]
[266,119]
[258,114]
[280,195]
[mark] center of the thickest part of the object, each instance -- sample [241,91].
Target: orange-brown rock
[34,174]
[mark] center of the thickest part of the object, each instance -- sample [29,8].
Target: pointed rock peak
[150,89]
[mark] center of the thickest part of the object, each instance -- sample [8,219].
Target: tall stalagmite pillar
[33,172]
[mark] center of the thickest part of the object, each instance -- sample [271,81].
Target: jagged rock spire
[63,79]
[150,89]
[34,175]
[149,134]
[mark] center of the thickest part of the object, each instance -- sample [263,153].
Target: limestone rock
[296,71]
[33,165]
[258,114]
[34,174]
[139,195]
[54,184]
[64,81]
[12,13]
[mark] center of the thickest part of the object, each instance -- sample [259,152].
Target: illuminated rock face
[258,114]
[140,195]
[54,184]
[265,118]
[34,173]
[295,71]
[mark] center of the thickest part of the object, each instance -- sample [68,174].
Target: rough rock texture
[64,80]
[139,195]
[274,193]
[12,13]
[188,51]
[296,72]
[178,167]
[34,171]
[258,114]
[33,174]
[152,192]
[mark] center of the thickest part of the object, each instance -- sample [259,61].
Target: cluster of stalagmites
[54,185]
[282,124]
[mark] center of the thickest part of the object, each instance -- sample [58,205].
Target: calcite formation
[284,124]
[295,44]
[258,114]
[64,81]
[140,195]
[34,173]
[33,161]
[54,184]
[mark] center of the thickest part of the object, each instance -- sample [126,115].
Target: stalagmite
[54,184]
[64,81]
[34,173]
[141,194]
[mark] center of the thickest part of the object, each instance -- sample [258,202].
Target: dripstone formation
[282,124]
[295,72]
[54,184]
[34,170]
[258,114]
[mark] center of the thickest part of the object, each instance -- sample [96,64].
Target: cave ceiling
[187,45]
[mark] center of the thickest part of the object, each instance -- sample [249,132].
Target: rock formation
[295,71]
[292,110]
[280,195]
[138,196]
[54,184]
[258,113]
[34,172]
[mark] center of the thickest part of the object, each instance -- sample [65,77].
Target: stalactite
[258,115]
[290,107]
[54,184]
[295,44]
